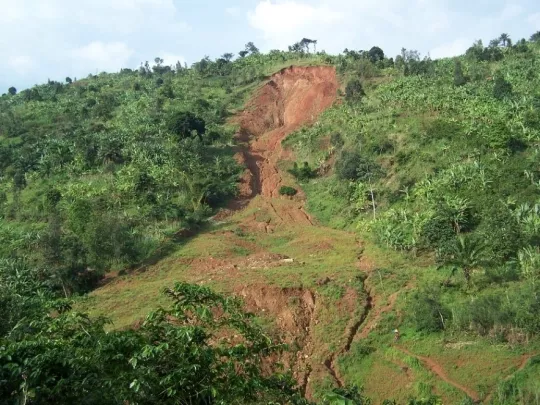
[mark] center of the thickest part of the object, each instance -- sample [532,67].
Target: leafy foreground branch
[204,350]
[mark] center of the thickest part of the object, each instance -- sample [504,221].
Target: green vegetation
[439,161]
[435,163]
[287,190]
[64,356]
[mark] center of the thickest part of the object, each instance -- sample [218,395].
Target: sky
[55,39]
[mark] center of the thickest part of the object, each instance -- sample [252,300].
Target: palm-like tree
[505,39]
[467,255]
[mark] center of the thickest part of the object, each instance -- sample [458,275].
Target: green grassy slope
[454,171]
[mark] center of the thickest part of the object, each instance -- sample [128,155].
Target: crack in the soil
[275,211]
[330,362]
[307,216]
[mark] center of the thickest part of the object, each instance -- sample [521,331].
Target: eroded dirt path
[438,370]
[292,98]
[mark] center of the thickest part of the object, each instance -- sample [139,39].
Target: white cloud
[534,20]
[103,56]
[455,48]
[285,22]
[233,11]
[354,24]
[63,37]
[21,63]
[39,38]
[170,59]
[511,11]
[11,11]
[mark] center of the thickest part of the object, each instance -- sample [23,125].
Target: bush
[286,190]
[302,173]
[353,166]
[185,123]
[482,314]
[437,233]
[501,88]
[459,77]
[336,140]
[442,129]
[500,231]
[427,312]
[354,92]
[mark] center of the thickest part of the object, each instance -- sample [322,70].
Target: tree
[178,67]
[354,92]
[376,54]
[203,65]
[68,80]
[302,173]
[459,77]
[12,90]
[505,40]
[476,50]
[535,37]
[305,43]
[494,43]
[19,180]
[203,350]
[467,255]
[252,49]
[243,54]
[501,88]
[159,68]
[184,124]
[227,56]
[297,47]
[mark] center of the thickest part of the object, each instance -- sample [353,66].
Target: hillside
[340,197]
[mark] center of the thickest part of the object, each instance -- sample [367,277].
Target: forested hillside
[433,164]
[442,163]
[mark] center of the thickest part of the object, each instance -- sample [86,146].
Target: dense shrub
[501,87]
[354,92]
[289,191]
[184,124]
[302,173]
[336,140]
[427,313]
[442,129]
[459,76]
[351,165]
[500,231]
[438,234]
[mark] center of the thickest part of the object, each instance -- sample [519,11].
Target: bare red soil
[293,97]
